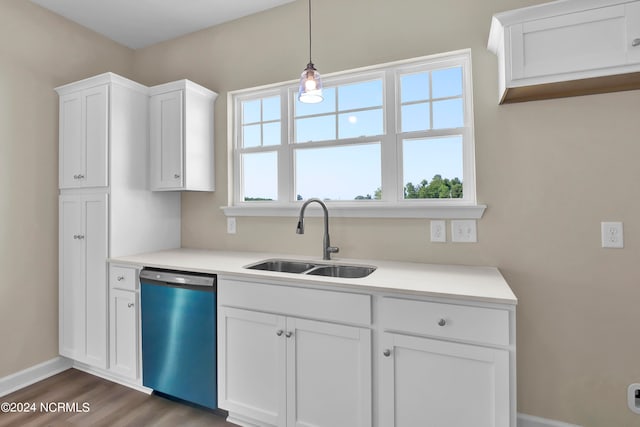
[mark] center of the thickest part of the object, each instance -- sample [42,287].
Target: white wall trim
[525,420]
[31,375]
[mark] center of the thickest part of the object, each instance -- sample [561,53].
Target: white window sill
[368,211]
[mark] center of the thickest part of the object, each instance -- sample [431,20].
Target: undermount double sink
[314,269]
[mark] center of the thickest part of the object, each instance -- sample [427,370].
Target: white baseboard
[31,375]
[525,420]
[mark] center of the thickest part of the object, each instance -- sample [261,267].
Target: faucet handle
[333,249]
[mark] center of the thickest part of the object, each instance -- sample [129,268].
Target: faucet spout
[327,249]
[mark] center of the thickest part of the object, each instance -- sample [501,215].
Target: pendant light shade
[310,90]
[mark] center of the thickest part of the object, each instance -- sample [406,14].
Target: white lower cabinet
[298,356]
[83,284]
[427,382]
[276,370]
[124,325]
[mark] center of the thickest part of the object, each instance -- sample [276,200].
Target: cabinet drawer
[328,305]
[123,278]
[483,325]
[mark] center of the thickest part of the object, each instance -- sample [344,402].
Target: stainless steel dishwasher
[179,335]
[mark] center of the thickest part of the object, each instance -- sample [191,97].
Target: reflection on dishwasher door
[179,335]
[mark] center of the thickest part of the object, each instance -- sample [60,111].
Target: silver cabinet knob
[279,332]
[80,236]
[130,305]
[288,334]
[386,352]
[80,176]
[120,278]
[176,175]
[635,42]
[442,322]
[75,176]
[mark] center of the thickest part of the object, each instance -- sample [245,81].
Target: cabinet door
[166,134]
[83,278]
[569,43]
[71,292]
[84,138]
[436,383]
[328,374]
[95,278]
[96,118]
[251,369]
[123,309]
[633,32]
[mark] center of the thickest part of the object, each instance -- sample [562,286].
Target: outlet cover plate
[612,235]
[464,231]
[438,231]
[231,225]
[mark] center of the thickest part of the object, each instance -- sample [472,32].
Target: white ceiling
[140,23]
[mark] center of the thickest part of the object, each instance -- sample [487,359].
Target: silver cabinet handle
[279,332]
[130,305]
[78,236]
[442,322]
[386,352]
[288,334]
[635,42]
[176,175]
[75,176]
[80,176]
[120,278]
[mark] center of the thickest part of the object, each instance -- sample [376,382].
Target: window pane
[414,87]
[271,133]
[447,82]
[271,108]
[338,173]
[415,117]
[320,128]
[360,123]
[251,111]
[251,136]
[448,114]
[360,95]
[328,104]
[260,176]
[432,168]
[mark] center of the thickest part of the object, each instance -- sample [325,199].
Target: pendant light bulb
[310,90]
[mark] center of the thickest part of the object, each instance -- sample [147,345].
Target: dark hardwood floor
[98,402]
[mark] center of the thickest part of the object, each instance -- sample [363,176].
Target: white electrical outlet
[633,397]
[612,235]
[438,231]
[231,225]
[464,230]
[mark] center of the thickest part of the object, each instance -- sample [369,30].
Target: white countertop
[449,281]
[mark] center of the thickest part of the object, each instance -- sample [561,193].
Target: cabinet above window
[567,48]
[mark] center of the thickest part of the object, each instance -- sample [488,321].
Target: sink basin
[282,266]
[303,267]
[343,271]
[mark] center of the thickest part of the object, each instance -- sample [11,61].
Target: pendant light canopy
[310,91]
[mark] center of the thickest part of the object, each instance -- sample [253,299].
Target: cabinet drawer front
[334,306]
[476,324]
[123,278]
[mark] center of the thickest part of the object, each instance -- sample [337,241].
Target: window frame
[392,203]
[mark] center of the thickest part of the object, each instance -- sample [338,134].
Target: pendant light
[310,91]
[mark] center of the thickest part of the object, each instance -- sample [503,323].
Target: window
[390,140]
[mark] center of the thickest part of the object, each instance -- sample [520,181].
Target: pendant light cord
[309,31]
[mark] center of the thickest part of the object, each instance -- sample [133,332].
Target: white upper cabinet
[567,48]
[181,136]
[84,137]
